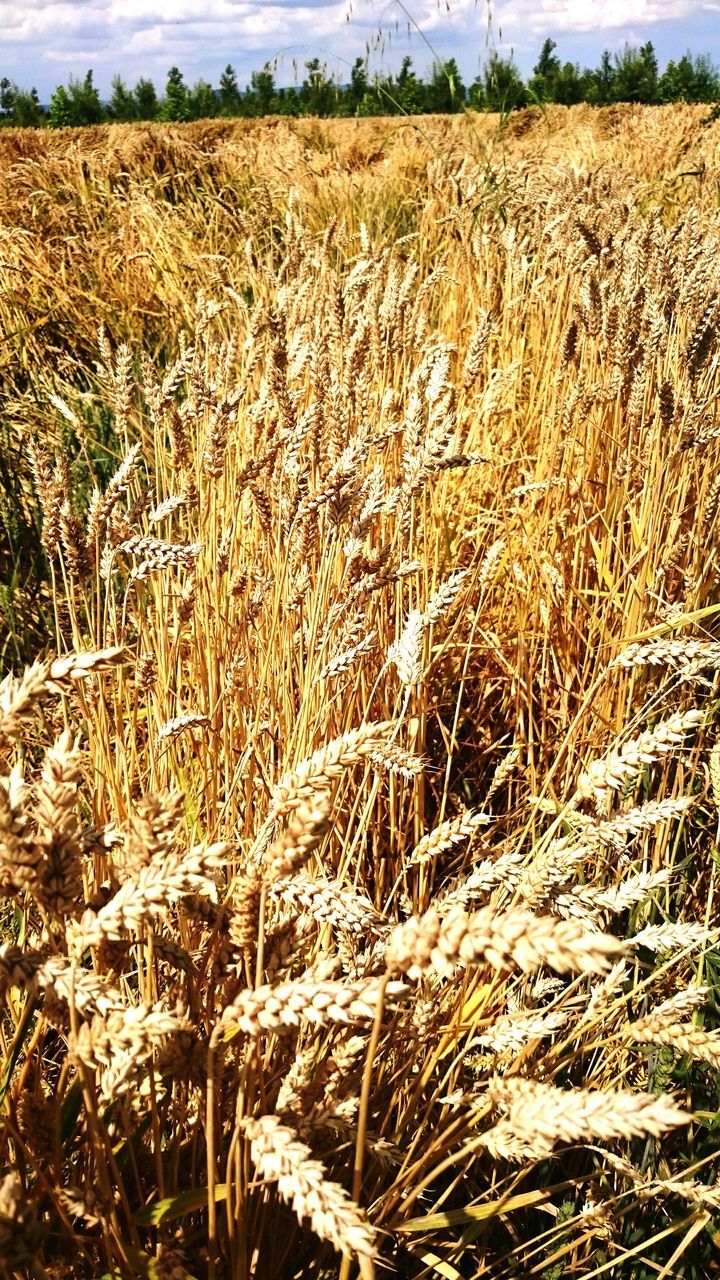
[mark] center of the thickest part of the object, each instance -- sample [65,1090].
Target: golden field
[360,736]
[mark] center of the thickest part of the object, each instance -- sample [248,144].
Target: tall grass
[358,819]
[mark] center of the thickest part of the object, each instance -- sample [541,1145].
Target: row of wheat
[357,837]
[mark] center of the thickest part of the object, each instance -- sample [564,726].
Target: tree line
[632,75]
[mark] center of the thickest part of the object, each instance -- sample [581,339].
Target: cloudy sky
[42,42]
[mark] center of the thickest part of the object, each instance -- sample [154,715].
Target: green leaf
[177,1206]
[21,1031]
[477,1212]
[70,1111]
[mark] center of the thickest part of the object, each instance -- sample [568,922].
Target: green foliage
[288,102]
[77,104]
[27,112]
[230,96]
[552,81]
[261,96]
[545,73]
[60,108]
[19,107]
[602,82]
[146,100]
[403,95]
[6,96]
[358,90]
[571,85]
[446,92]
[689,80]
[500,87]
[203,104]
[122,106]
[410,90]
[636,75]
[318,94]
[175,105]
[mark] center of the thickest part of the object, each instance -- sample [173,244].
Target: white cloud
[603,15]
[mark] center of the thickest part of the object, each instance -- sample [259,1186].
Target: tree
[672,85]
[7,97]
[61,114]
[410,92]
[175,105]
[86,101]
[649,61]
[636,75]
[358,88]
[689,80]
[318,95]
[77,104]
[288,102]
[202,102]
[26,110]
[631,75]
[122,105]
[704,80]
[545,73]
[500,87]
[476,95]
[547,65]
[261,96]
[360,98]
[146,100]
[570,85]
[601,89]
[230,96]
[403,94]
[446,91]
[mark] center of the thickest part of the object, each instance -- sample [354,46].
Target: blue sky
[42,42]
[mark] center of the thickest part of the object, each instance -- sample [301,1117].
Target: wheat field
[360,728]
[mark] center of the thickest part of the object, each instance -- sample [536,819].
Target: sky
[43,42]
